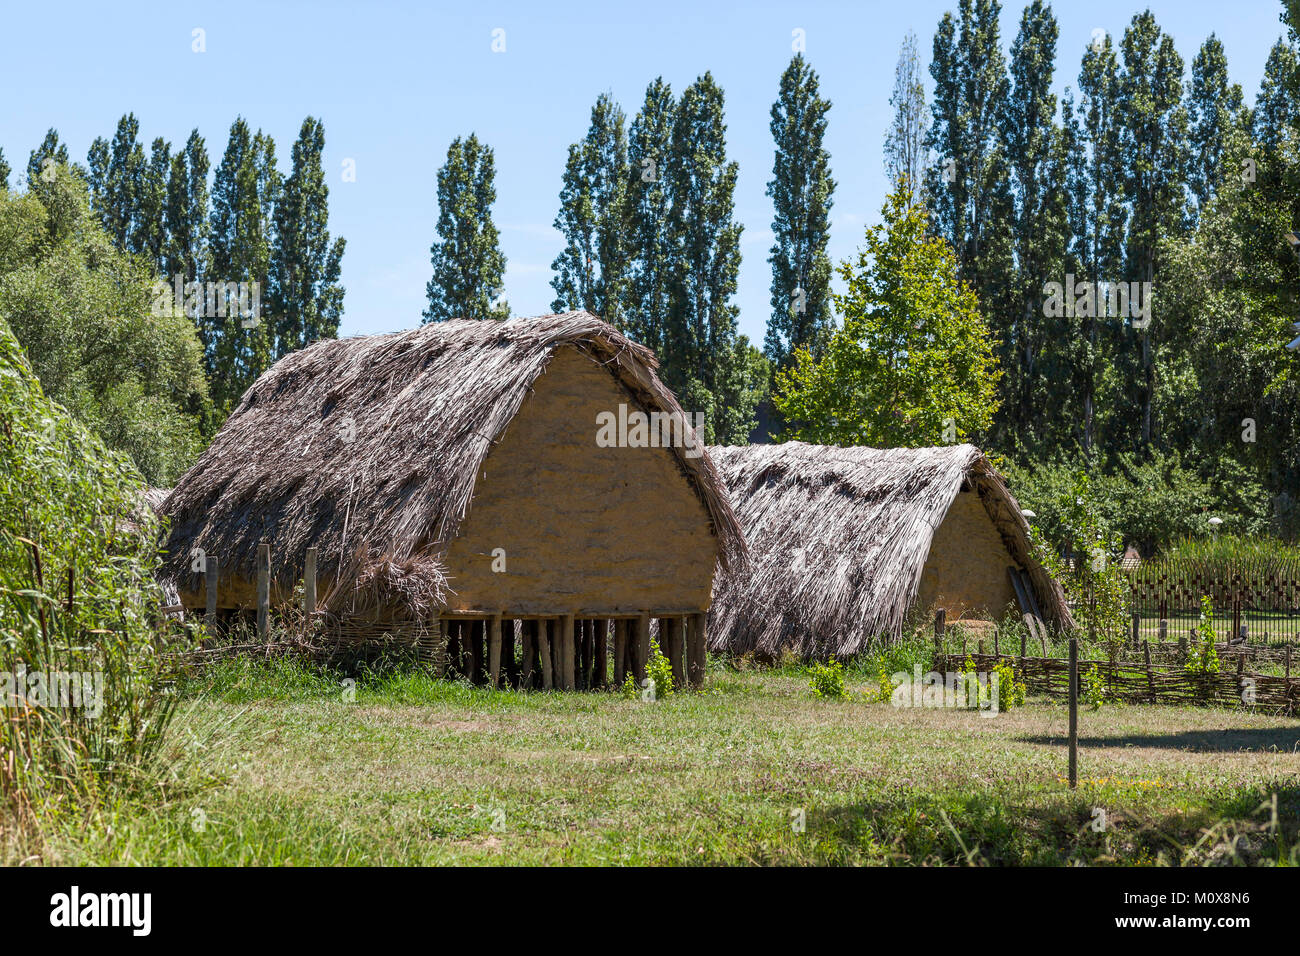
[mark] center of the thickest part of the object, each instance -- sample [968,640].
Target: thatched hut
[453,481]
[845,542]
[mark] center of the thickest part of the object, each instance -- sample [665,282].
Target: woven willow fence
[1147,681]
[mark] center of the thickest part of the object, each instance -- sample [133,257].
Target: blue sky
[394,83]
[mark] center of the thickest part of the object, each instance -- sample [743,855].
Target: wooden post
[1241,678]
[509,659]
[641,647]
[582,646]
[697,648]
[210,586]
[263,590]
[1162,630]
[309,586]
[494,651]
[544,652]
[1288,662]
[1074,712]
[676,648]
[940,623]
[566,681]
[1136,623]
[530,655]
[601,667]
[1151,678]
[620,652]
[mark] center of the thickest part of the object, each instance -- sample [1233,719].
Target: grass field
[271,764]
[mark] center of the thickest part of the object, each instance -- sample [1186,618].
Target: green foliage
[1205,660]
[81,309]
[77,595]
[800,189]
[591,271]
[1153,503]
[827,680]
[912,364]
[660,670]
[628,690]
[1011,692]
[1092,578]
[468,265]
[1094,687]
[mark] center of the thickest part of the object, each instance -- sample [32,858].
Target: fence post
[1074,712]
[1151,678]
[1162,630]
[210,571]
[263,589]
[309,585]
[1136,621]
[940,621]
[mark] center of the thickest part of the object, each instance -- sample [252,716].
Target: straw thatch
[368,448]
[838,538]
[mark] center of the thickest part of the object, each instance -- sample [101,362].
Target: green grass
[276,764]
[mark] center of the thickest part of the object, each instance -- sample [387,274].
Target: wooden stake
[544,652]
[641,647]
[1151,677]
[494,652]
[263,590]
[567,677]
[210,571]
[309,585]
[620,652]
[676,648]
[1074,712]
[697,648]
[601,667]
[529,674]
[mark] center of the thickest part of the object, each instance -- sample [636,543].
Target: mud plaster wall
[584,528]
[966,571]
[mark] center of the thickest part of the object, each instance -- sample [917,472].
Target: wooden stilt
[697,649]
[641,647]
[477,645]
[494,651]
[530,666]
[544,652]
[509,661]
[674,637]
[263,590]
[583,666]
[620,652]
[309,586]
[600,665]
[566,651]
[210,586]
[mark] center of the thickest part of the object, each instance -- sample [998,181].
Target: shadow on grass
[1228,740]
[989,829]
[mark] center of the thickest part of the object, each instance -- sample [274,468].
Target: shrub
[1011,692]
[1205,660]
[827,680]
[78,553]
[1094,688]
[660,670]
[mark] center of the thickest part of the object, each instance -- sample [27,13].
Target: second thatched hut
[845,542]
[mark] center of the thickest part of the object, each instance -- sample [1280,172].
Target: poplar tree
[905,143]
[1040,227]
[151,229]
[698,349]
[1154,148]
[800,189]
[4,171]
[1214,108]
[186,214]
[648,292]
[969,188]
[591,272]
[244,192]
[468,265]
[305,297]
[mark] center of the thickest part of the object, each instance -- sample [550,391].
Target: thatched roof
[368,448]
[838,538]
